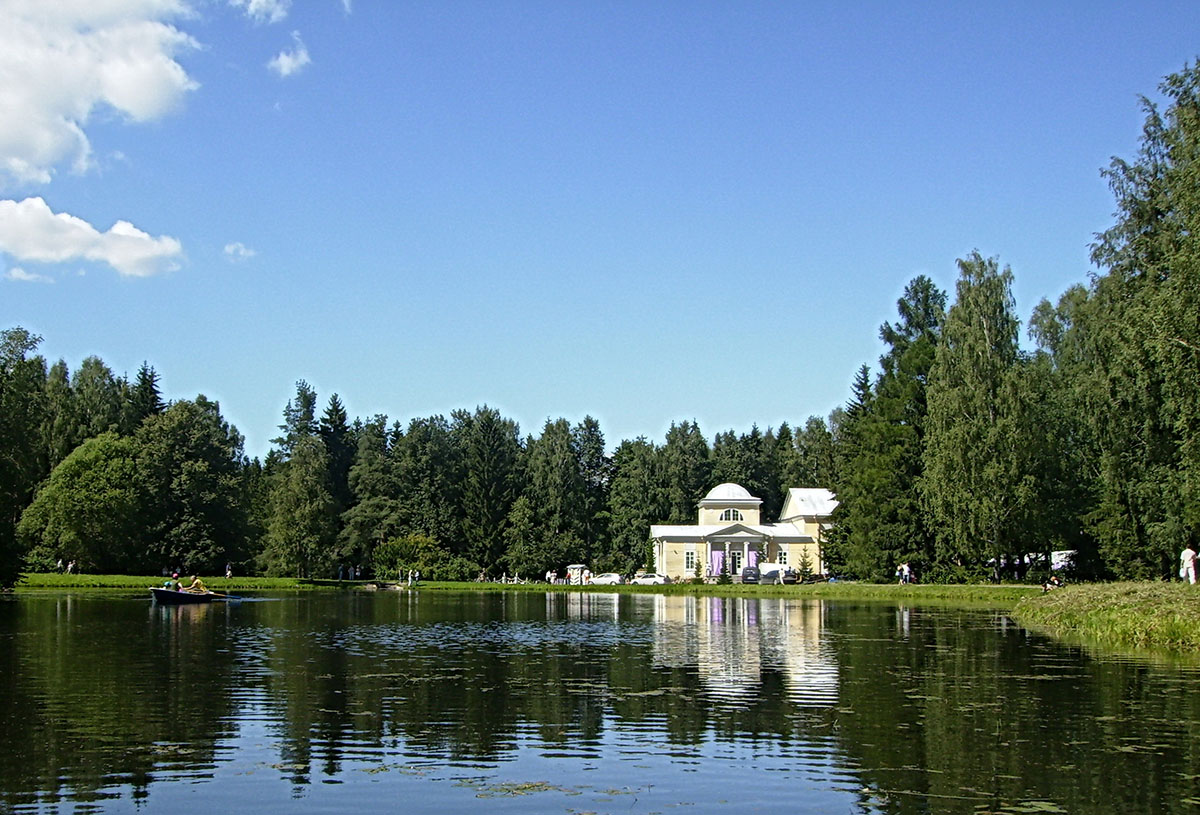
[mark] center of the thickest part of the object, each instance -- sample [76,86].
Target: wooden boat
[170,597]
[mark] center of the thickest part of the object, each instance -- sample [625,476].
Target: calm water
[570,703]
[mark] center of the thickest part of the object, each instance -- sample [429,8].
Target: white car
[608,579]
[650,580]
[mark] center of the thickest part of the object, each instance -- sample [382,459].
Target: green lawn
[41,580]
[1139,615]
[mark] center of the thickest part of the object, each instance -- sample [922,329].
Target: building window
[689,562]
[735,562]
[731,515]
[782,556]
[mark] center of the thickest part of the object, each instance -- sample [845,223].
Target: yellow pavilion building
[729,534]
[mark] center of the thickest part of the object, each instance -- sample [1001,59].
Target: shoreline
[1150,615]
[1119,615]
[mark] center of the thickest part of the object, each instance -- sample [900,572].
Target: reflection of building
[728,534]
[732,641]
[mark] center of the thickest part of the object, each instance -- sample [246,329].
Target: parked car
[751,574]
[608,579]
[776,573]
[650,580]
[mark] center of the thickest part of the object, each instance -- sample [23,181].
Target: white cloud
[31,232]
[346,6]
[287,63]
[61,60]
[263,11]
[238,251]
[17,273]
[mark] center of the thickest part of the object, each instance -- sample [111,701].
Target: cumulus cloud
[31,232]
[60,61]
[19,274]
[287,63]
[238,251]
[263,11]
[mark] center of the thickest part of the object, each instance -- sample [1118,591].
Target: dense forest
[963,453]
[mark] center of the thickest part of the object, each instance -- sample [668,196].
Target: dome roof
[729,492]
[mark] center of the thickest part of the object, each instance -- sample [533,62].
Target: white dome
[729,492]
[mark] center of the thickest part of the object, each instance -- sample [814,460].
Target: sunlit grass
[44,580]
[1141,615]
[1002,596]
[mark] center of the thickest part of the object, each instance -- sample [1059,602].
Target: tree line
[962,453]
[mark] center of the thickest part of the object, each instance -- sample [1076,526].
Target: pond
[498,702]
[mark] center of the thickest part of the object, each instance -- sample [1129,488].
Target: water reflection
[599,702]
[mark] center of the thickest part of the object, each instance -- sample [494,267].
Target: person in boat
[174,583]
[197,586]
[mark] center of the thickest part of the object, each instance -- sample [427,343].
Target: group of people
[175,584]
[904,573]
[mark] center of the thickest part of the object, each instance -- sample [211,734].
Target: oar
[220,596]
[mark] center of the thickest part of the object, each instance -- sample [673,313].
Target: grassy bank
[122,581]
[1139,615]
[999,596]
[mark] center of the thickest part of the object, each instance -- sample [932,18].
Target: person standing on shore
[1187,564]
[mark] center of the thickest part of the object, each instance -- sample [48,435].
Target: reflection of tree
[468,677]
[952,709]
[143,694]
[932,707]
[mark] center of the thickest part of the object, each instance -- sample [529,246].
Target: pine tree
[636,500]
[340,446]
[143,400]
[686,471]
[489,447]
[882,521]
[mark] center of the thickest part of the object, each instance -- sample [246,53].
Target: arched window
[731,515]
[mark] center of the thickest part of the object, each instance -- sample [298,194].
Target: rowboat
[170,597]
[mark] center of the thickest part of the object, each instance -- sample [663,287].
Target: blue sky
[646,212]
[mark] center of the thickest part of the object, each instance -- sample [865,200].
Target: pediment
[736,531]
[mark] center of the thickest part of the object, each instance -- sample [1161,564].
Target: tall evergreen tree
[427,482]
[556,492]
[490,450]
[143,399]
[299,419]
[595,471]
[340,447]
[636,500]
[374,516]
[687,471]
[882,521]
